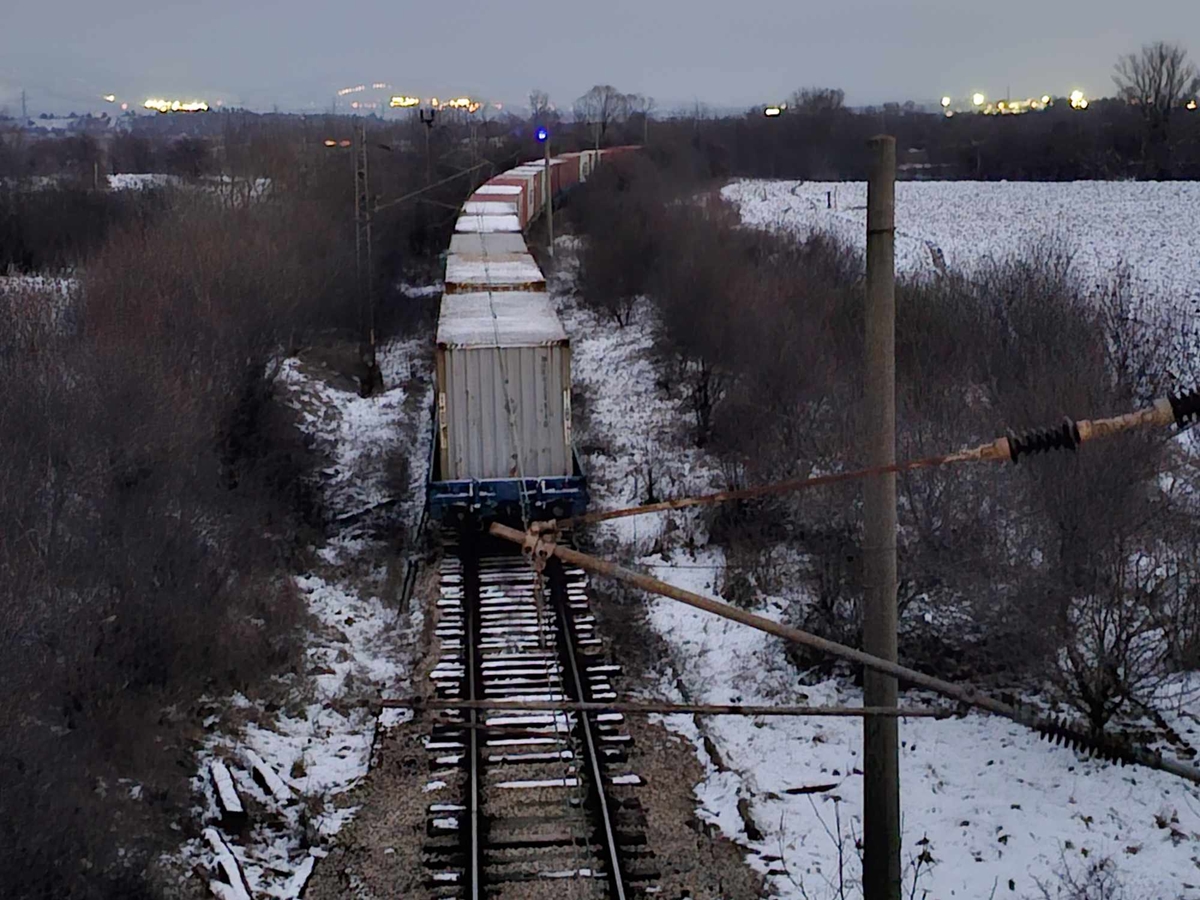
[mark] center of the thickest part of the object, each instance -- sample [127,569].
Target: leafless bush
[619,206]
[1096,880]
[1029,570]
[153,495]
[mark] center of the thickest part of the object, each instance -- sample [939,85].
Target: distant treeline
[1108,140]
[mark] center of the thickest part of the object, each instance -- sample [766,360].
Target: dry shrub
[1037,571]
[152,496]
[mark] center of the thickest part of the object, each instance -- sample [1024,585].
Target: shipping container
[467,273]
[497,244]
[536,173]
[503,388]
[523,185]
[491,207]
[572,174]
[487,224]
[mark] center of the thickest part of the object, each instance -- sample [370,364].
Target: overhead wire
[1183,410]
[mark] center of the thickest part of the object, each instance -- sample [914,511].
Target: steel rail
[558,593]
[469,554]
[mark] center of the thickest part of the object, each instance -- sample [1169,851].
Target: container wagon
[502,424]
[502,418]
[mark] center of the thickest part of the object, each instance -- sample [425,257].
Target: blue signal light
[542,135]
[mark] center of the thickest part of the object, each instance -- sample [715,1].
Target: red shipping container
[523,197]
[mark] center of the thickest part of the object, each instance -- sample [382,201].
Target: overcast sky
[729,53]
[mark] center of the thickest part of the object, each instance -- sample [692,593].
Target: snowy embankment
[293,762]
[989,809]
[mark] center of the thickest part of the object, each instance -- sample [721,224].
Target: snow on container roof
[487,224]
[498,319]
[490,207]
[489,188]
[498,244]
[517,269]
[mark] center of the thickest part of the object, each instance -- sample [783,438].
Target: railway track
[545,804]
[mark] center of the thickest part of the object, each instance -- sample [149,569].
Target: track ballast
[546,805]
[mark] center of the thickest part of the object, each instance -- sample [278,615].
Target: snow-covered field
[989,809]
[1153,227]
[319,743]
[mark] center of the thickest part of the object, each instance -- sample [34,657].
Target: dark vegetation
[155,495]
[1079,570]
[1145,131]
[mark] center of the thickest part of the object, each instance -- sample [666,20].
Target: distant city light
[461,103]
[772,111]
[175,106]
[380,85]
[1045,99]
[404,102]
[946,103]
[111,98]
[978,99]
[1078,100]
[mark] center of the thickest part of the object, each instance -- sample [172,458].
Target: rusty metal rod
[1160,414]
[535,546]
[665,708]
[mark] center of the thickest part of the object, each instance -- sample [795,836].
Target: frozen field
[1153,227]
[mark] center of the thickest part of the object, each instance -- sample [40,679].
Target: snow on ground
[995,803]
[994,808]
[1154,227]
[60,285]
[319,743]
[141,181]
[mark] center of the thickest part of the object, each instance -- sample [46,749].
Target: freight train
[502,446]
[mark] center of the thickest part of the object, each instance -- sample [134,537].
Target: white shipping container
[487,224]
[504,387]
[491,207]
[498,244]
[498,271]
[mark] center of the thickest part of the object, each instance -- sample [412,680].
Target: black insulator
[1186,408]
[1043,440]
[1060,733]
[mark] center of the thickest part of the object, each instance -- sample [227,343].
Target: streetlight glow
[542,135]
[978,98]
[945,103]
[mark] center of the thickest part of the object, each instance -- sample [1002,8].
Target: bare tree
[640,105]
[539,105]
[1156,80]
[818,99]
[601,107]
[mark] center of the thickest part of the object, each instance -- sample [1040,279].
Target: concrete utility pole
[881,781]
[372,379]
[549,200]
[24,109]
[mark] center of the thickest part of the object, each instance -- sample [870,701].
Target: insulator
[1186,408]
[1043,440]
[1061,733]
